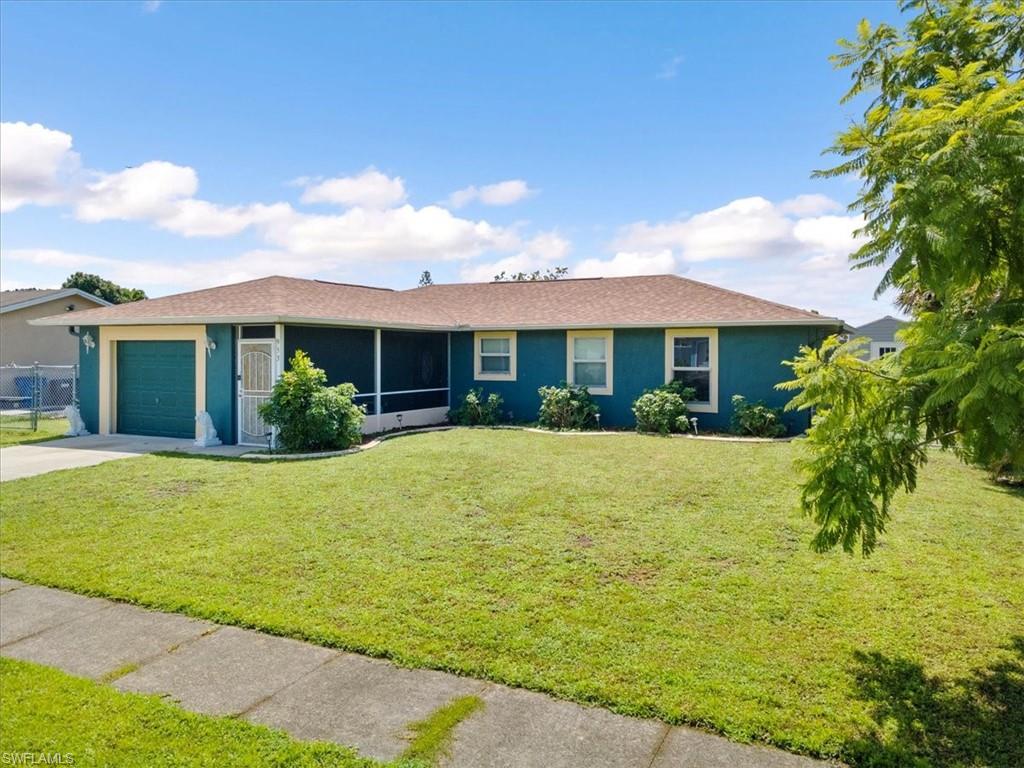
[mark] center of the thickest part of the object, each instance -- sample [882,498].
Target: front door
[255,383]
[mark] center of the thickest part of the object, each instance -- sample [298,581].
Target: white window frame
[478,354]
[878,346]
[609,350]
[671,334]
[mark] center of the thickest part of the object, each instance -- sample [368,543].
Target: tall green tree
[940,151]
[102,288]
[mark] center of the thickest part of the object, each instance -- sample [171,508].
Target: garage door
[156,388]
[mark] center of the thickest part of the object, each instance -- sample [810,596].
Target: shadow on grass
[923,720]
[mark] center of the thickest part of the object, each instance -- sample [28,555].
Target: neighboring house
[148,367]
[882,333]
[25,344]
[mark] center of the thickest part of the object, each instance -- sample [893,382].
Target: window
[495,355]
[883,348]
[691,357]
[590,360]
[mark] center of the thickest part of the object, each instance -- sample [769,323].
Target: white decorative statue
[207,432]
[76,426]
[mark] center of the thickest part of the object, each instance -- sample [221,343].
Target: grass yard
[47,713]
[658,577]
[17,430]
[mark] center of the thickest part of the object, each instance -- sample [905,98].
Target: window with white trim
[590,360]
[691,358]
[495,354]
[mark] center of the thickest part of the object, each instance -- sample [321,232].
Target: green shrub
[756,419]
[476,411]
[663,409]
[567,407]
[310,416]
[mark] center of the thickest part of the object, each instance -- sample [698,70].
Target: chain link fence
[29,393]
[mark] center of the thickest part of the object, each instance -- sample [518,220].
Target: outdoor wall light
[88,342]
[210,346]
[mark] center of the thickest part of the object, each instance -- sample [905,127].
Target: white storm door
[255,383]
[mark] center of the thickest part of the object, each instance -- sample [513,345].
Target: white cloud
[148,191]
[545,250]
[795,252]
[152,6]
[670,68]
[501,193]
[809,205]
[745,228]
[34,164]
[199,218]
[370,189]
[626,263]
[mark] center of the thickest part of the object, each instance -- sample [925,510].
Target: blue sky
[172,145]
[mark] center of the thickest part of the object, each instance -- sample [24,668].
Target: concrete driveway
[18,461]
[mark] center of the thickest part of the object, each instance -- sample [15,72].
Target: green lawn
[658,577]
[48,713]
[17,430]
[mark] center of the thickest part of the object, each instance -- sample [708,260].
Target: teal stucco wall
[89,379]
[220,381]
[749,364]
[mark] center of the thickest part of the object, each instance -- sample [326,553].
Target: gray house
[882,333]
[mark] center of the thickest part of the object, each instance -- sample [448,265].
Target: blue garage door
[156,388]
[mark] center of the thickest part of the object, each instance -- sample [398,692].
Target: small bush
[476,411]
[756,419]
[567,407]
[663,409]
[310,416]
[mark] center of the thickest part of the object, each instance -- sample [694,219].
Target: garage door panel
[156,388]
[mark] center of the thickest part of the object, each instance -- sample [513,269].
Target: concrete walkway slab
[690,748]
[17,461]
[531,730]
[228,671]
[104,641]
[318,693]
[28,610]
[6,585]
[364,703]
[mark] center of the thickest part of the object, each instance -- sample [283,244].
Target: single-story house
[882,335]
[24,344]
[148,367]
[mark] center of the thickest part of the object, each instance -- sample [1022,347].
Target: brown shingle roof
[657,300]
[24,294]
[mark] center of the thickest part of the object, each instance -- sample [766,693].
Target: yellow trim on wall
[111,334]
[712,334]
[609,335]
[480,375]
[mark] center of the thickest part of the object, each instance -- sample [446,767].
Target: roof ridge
[750,296]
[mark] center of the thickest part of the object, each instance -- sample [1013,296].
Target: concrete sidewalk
[318,693]
[17,461]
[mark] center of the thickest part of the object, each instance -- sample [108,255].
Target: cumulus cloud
[376,223]
[35,163]
[809,205]
[371,189]
[148,191]
[543,251]
[795,252]
[502,193]
[626,263]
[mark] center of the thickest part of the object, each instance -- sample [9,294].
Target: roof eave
[55,296]
[68,320]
